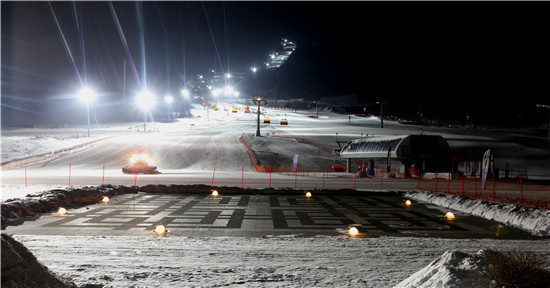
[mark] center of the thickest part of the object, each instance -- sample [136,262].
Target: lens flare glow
[145,100]
[408,203]
[105,200]
[308,194]
[62,211]
[353,231]
[160,230]
[140,158]
[449,215]
[86,95]
[215,193]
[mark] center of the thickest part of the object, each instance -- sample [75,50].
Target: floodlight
[86,95]
[168,99]
[216,92]
[228,90]
[145,100]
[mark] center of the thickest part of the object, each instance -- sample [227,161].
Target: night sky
[448,57]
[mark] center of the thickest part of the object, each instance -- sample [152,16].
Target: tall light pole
[259,101]
[169,99]
[86,95]
[381,113]
[547,107]
[145,100]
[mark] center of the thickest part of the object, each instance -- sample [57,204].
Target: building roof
[400,146]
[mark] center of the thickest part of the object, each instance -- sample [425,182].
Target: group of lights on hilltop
[217,86]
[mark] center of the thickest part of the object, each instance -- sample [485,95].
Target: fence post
[324,178]
[417,179]
[475,186]
[436,181]
[449,183]
[462,184]
[296,178]
[521,190]
[493,186]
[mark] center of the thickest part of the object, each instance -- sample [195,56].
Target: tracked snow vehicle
[139,164]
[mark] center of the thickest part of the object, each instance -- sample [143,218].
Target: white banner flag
[485,168]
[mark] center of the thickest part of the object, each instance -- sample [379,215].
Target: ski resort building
[399,153]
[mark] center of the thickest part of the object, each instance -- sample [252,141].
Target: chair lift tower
[259,101]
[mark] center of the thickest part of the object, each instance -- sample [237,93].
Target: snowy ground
[271,261]
[258,262]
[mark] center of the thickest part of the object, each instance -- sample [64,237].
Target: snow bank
[533,220]
[452,269]
[278,261]
[20,268]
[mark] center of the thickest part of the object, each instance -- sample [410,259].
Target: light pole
[169,99]
[259,101]
[381,113]
[547,107]
[145,100]
[86,95]
[185,94]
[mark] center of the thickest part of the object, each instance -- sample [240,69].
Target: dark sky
[407,52]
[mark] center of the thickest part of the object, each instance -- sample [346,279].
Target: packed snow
[279,261]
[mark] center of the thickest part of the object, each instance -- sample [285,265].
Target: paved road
[202,215]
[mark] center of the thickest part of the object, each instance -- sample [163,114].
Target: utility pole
[381,113]
[316,110]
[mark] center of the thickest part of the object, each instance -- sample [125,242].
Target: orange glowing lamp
[408,203]
[308,194]
[62,211]
[140,159]
[353,231]
[449,215]
[215,193]
[160,230]
[105,200]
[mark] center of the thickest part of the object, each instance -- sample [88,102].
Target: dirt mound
[21,269]
[50,201]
